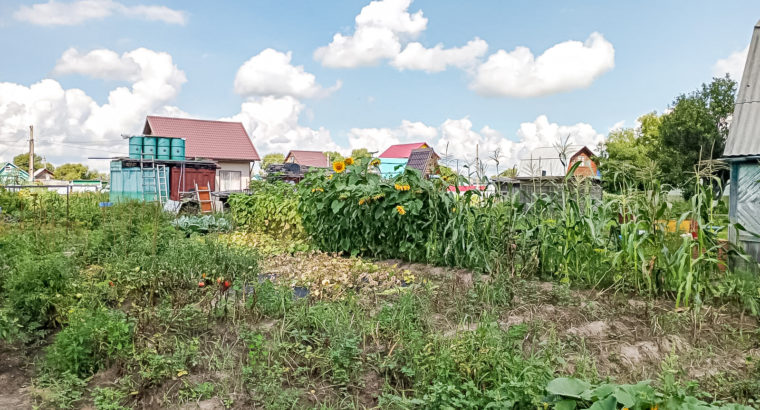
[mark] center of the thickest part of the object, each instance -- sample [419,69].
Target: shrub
[270,208]
[33,289]
[91,340]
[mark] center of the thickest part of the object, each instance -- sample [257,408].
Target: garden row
[625,242]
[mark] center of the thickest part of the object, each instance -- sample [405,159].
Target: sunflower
[375,162]
[400,209]
[339,166]
[349,161]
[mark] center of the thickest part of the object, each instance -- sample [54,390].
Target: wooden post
[31,153]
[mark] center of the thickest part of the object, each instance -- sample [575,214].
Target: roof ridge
[194,119]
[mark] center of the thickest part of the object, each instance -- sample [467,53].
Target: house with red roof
[313,159]
[224,142]
[403,150]
[393,160]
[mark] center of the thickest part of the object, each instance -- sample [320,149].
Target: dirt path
[14,380]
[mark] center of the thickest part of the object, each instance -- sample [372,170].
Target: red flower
[227,284]
[110,283]
[201,284]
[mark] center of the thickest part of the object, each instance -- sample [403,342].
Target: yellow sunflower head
[400,209]
[375,162]
[339,166]
[349,161]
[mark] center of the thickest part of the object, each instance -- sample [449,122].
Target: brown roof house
[225,142]
[314,159]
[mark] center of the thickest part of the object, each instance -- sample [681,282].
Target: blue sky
[661,49]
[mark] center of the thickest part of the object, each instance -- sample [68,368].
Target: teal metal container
[115,193]
[178,149]
[163,148]
[135,147]
[149,147]
[133,183]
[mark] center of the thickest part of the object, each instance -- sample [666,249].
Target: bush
[91,340]
[33,288]
[271,208]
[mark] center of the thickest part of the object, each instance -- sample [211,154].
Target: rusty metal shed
[743,153]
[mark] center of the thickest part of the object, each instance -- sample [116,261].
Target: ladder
[149,183]
[154,181]
[203,195]
[162,184]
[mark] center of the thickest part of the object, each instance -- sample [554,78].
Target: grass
[127,310]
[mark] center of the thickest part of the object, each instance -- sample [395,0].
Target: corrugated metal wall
[745,204]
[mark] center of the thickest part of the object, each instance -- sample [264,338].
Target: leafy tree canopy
[72,171]
[269,159]
[694,130]
[360,153]
[333,156]
[22,161]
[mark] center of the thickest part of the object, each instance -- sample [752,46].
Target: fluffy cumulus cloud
[416,57]
[459,144]
[56,13]
[732,65]
[69,124]
[382,29]
[273,124]
[101,63]
[563,67]
[271,73]
[385,30]
[378,139]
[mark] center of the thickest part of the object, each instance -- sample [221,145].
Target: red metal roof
[465,188]
[403,150]
[216,140]
[308,158]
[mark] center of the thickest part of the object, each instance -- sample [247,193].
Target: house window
[229,181]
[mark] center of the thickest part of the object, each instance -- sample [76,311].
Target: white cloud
[458,143]
[272,123]
[378,139]
[382,28]
[270,73]
[416,57]
[384,31]
[733,65]
[617,126]
[563,67]
[70,125]
[100,63]
[56,13]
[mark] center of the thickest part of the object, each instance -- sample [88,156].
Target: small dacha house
[743,153]
[226,143]
[394,160]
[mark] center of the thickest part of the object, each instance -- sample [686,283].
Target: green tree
[695,129]
[269,159]
[72,171]
[22,161]
[509,172]
[360,153]
[333,156]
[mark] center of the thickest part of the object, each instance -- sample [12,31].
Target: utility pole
[31,153]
